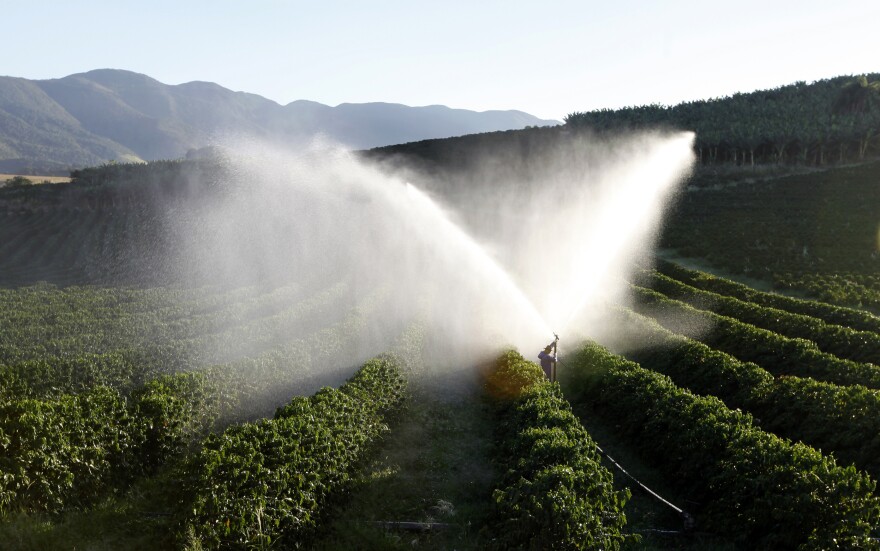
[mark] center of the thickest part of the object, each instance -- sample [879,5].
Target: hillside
[827,121]
[112,115]
[820,124]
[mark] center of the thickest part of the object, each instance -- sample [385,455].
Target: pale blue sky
[548,58]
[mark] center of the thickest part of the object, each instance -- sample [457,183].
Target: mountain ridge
[106,115]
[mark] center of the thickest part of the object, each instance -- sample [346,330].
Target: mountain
[108,114]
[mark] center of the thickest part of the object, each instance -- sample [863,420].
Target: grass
[433,468]
[645,514]
[138,520]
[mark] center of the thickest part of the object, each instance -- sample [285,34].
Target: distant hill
[113,115]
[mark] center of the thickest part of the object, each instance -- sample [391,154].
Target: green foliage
[65,452]
[553,492]
[70,450]
[813,226]
[510,375]
[278,475]
[48,376]
[838,419]
[55,386]
[846,317]
[847,288]
[176,410]
[859,346]
[778,354]
[764,491]
[68,340]
[837,118]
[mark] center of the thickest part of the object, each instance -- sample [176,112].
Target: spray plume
[514,257]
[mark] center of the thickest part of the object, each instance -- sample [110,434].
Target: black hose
[687,518]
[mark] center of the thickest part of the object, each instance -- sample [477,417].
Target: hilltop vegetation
[827,122]
[833,120]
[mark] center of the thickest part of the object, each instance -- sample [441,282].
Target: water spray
[477,258]
[484,260]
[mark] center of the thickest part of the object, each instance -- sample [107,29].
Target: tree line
[834,120]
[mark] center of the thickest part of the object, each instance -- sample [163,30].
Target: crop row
[69,246]
[269,483]
[838,315]
[552,492]
[843,342]
[128,368]
[843,288]
[67,452]
[778,354]
[46,304]
[51,323]
[844,420]
[317,359]
[760,490]
[250,387]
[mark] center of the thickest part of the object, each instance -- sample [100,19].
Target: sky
[548,58]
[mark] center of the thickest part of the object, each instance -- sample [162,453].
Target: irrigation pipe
[687,518]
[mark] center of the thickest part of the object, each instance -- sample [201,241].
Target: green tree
[859,105]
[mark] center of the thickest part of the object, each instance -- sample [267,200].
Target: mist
[505,256]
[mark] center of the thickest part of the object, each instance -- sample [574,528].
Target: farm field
[403,276]
[124,432]
[816,233]
[153,398]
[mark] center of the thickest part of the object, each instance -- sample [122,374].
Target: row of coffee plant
[778,354]
[843,342]
[44,320]
[269,483]
[838,315]
[127,366]
[552,491]
[756,488]
[66,450]
[69,451]
[842,288]
[833,418]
